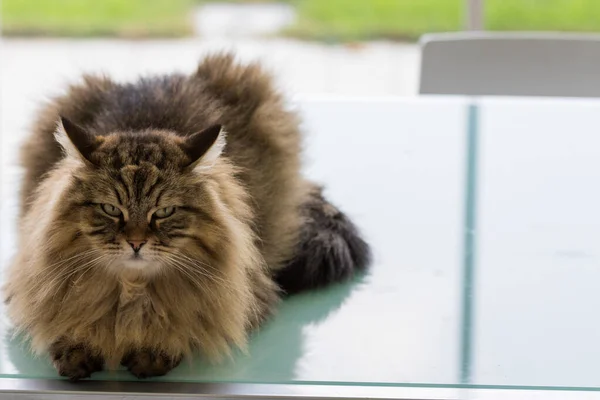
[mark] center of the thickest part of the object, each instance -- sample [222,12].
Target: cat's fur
[246,223]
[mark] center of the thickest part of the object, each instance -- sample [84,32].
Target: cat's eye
[164,212]
[111,210]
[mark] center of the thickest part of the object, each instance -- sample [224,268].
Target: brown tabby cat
[164,217]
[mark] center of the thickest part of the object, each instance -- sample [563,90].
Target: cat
[165,217]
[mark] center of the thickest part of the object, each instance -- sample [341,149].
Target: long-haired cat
[166,216]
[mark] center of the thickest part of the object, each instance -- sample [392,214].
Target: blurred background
[346,47]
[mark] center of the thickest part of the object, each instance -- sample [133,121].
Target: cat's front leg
[75,360]
[146,363]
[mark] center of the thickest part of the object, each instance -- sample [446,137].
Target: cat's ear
[203,148]
[75,140]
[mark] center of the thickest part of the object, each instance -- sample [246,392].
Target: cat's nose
[136,245]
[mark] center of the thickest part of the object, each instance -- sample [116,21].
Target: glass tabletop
[483,216]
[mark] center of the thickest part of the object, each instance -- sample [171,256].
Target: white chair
[515,64]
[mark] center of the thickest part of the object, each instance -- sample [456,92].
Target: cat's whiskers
[196,268]
[192,266]
[47,277]
[95,263]
[58,281]
[195,280]
[195,261]
[67,266]
[198,263]
[61,262]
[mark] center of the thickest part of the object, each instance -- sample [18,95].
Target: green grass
[540,15]
[121,18]
[335,20]
[409,19]
[359,19]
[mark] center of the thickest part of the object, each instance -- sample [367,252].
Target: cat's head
[145,201]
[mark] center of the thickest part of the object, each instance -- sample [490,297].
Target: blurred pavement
[214,20]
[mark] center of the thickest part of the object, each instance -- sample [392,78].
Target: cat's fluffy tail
[330,248]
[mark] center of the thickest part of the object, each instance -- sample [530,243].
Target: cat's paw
[148,363]
[75,361]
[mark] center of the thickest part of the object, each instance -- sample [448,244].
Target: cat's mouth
[137,263]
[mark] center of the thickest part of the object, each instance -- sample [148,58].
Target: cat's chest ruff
[138,303]
[133,292]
